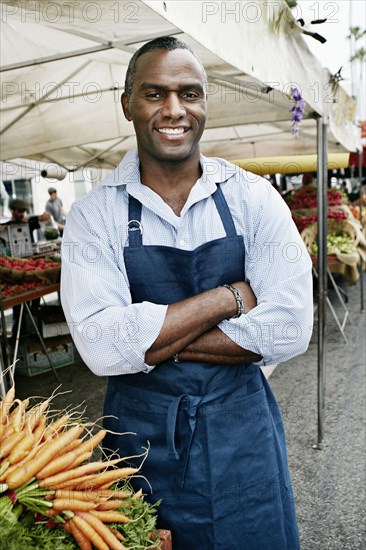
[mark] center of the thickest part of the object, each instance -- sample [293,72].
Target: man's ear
[124,103]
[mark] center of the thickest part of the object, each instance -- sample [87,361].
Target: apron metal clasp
[134,225]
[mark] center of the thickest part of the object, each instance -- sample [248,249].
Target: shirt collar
[214,171]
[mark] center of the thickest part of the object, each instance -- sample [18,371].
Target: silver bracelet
[239,301]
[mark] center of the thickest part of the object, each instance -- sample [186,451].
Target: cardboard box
[52,321]
[32,359]
[16,240]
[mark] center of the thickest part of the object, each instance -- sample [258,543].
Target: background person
[18,209]
[307,179]
[4,200]
[179,274]
[55,208]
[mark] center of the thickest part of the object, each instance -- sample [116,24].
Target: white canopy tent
[63,66]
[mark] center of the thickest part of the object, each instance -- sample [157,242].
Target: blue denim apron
[217,458]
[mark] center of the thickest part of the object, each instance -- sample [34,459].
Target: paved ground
[329,484]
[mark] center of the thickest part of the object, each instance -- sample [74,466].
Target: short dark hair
[161,43]
[18,204]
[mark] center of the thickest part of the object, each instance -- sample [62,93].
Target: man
[181,276]
[55,208]
[18,209]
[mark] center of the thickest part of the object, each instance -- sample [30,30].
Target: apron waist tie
[187,404]
[190,404]
[171,424]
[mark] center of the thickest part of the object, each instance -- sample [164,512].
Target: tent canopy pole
[322,270]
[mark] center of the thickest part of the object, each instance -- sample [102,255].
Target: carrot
[92,442]
[91,495]
[117,534]
[21,449]
[50,448]
[4,466]
[17,416]
[9,443]
[110,476]
[61,463]
[13,467]
[80,459]
[73,483]
[72,504]
[41,426]
[104,487]
[35,414]
[89,468]
[111,516]
[102,530]
[90,532]
[56,426]
[70,447]
[108,505]
[79,495]
[8,431]
[6,404]
[66,526]
[51,512]
[80,446]
[137,495]
[78,535]
[114,493]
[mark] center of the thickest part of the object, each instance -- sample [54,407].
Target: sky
[336,52]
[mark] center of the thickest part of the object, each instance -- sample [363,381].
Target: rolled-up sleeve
[110,333]
[279,270]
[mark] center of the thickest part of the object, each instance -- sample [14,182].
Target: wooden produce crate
[165,538]
[49,275]
[309,234]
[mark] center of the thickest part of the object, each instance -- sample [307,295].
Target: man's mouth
[173,131]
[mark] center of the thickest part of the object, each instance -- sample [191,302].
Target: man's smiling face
[167,105]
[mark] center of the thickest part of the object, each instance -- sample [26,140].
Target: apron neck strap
[134,222]
[224,212]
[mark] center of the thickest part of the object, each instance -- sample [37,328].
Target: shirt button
[182,243]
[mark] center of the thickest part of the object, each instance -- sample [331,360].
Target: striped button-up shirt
[112,334]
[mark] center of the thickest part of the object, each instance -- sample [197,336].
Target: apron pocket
[240,443]
[252,518]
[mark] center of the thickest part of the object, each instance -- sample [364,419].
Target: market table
[344,260]
[333,261]
[23,300]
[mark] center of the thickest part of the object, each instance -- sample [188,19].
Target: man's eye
[190,95]
[154,95]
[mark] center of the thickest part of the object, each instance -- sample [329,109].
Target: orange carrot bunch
[45,466]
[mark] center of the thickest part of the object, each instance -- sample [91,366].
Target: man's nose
[173,107]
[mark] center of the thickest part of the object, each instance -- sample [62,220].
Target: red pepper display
[27,264]
[8,290]
[306,197]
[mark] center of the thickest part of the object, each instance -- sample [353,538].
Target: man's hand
[44,217]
